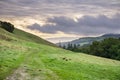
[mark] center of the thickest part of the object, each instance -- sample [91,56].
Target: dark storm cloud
[17,7]
[39,7]
[100,21]
[87,25]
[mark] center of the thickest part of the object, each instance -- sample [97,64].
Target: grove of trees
[108,48]
[7,26]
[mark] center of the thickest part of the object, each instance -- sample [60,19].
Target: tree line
[108,48]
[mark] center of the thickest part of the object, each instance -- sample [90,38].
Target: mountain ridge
[88,40]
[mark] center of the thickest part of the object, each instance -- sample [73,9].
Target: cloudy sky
[62,20]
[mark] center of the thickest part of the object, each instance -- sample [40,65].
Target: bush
[7,26]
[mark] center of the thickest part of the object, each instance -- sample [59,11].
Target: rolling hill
[19,34]
[24,56]
[88,40]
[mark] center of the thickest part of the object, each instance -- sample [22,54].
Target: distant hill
[88,40]
[111,35]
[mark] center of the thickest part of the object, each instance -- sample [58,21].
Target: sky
[63,20]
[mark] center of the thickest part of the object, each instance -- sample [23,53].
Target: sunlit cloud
[86,25]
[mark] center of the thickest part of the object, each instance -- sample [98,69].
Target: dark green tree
[69,46]
[7,26]
[64,47]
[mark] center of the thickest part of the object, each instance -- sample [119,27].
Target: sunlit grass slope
[30,37]
[22,58]
[19,34]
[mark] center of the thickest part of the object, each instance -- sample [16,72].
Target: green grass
[30,37]
[22,35]
[44,62]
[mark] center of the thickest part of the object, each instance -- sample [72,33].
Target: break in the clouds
[86,25]
[63,18]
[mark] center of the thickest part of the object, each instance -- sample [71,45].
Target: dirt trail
[26,72]
[33,68]
[19,74]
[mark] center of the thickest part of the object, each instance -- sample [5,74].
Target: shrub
[7,26]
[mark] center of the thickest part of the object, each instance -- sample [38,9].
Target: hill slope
[89,40]
[19,34]
[24,59]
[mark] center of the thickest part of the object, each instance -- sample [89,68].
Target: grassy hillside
[22,35]
[22,58]
[30,37]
